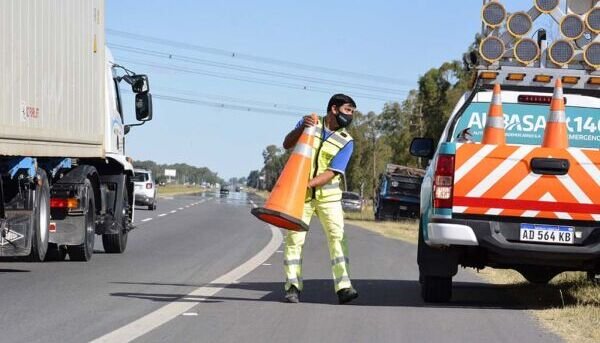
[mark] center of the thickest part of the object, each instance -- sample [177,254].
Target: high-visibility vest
[323,153]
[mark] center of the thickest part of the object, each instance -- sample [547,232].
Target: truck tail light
[64,203]
[148,186]
[443,182]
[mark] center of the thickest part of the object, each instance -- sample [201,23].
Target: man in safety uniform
[332,149]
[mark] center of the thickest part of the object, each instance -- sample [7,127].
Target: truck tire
[436,289]
[41,218]
[117,242]
[436,269]
[84,251]
[56,252]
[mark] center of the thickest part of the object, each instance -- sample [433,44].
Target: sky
[231,77]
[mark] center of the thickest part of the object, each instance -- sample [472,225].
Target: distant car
[145,189]
[224,190]
[398,193]
[351,202]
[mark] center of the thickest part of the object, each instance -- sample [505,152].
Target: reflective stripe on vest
[327,150]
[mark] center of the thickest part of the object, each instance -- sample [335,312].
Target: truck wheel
[436,289]
[115,243]
[538,276]
[56,252]
[84,251]
[41,219]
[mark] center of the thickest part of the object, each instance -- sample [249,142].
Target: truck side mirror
[143,106]
[422,147]
[140,83]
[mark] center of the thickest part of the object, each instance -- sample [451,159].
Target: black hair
[339,100]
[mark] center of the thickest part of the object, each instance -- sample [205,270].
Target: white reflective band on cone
[496,122]
[303,149]
[557,117]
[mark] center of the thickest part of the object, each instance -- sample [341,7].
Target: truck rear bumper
[500,243]
[450,234]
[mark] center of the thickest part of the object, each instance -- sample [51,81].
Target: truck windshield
[525,122]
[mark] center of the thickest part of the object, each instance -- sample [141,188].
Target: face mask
[343,120]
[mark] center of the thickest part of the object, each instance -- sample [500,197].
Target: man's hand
[308,121]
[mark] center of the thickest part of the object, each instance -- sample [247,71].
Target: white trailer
[64,176]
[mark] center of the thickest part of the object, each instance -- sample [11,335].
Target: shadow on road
[4,270]
[400,293]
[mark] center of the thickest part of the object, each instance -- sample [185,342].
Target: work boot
[346,295]
[291,295]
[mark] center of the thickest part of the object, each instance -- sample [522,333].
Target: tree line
[384,137]
[185,173]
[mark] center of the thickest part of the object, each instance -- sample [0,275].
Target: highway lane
[389,308]
[77,302]
[184,251]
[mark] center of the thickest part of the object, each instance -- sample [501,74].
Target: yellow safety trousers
[331,216]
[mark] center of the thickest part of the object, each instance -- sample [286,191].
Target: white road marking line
[162,215]
[267,264]
[170,311]
[174,211]
[181,208]
[146,220]
[190,314]
[279,251]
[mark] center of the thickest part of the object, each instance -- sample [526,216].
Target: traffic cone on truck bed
[493,133]
[285,205]
[555,134]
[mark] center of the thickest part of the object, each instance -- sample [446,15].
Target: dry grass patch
[172,189]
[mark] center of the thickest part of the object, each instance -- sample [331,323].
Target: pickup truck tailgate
[526,181]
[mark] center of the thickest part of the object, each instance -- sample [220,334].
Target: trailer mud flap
[15,234]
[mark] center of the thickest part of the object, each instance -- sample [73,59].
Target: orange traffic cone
[555,134]
[494,124]
[285,205]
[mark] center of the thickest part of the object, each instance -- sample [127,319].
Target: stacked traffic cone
[555,134]
[285,206]
[494,124]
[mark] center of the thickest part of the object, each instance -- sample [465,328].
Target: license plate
[547,233]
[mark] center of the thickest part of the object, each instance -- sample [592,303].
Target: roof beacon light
[561,52]
[571,26]
[542,78]
[491,49]
[546,6]
[519,24]
[493,14]
[526,50]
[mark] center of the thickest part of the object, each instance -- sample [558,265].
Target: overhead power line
[300,109]
[273,83]
[225,106]
[254,58]
[260,71]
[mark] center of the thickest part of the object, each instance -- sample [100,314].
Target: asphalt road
[203,269]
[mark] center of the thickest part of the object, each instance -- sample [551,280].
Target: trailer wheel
[41,218]
[116,243]
[84,251]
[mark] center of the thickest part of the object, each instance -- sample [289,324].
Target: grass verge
[171,189]
[568,306]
